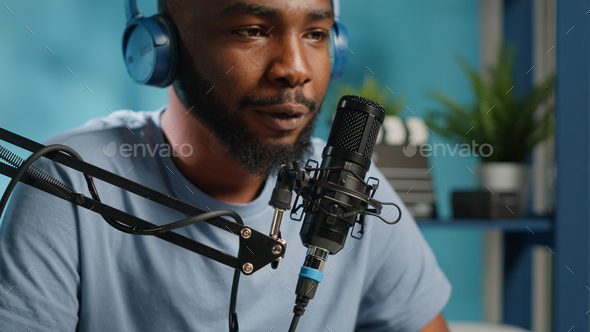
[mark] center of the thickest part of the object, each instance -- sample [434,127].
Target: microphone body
[336,200]
[348,152]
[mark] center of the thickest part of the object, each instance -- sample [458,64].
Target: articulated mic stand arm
[261,249]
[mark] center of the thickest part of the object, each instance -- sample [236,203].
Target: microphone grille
[372,139]
[364,101]
[356,125]
[347,129]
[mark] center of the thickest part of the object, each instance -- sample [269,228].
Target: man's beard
[252,154]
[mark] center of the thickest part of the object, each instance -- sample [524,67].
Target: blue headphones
[150,47]
[338,44]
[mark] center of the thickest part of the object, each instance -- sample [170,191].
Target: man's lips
[284,117]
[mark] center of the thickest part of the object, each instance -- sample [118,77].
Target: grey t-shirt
[63,268]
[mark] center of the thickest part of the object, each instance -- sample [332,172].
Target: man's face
[255,71]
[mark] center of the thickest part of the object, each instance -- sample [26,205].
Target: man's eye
[316,35]
[250,32]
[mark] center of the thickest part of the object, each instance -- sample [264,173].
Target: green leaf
[512,125]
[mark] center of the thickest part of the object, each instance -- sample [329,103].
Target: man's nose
[290,66]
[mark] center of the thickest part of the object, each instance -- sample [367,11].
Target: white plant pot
[506,177]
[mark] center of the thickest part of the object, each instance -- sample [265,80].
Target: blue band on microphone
[310,273]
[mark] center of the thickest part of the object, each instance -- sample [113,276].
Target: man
[252,76]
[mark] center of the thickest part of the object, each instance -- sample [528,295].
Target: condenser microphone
[335,205]
[347,153]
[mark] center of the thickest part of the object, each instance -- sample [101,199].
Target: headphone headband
[131,10]
[336,9]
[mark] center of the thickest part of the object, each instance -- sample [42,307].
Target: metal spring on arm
[10,157]
[37,174]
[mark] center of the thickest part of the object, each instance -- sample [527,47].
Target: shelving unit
[520,235]
[567,233]
[572,219]
[529,225]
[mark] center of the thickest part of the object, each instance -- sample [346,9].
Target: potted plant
[507,124]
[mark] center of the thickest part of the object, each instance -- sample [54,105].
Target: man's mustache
[283,97]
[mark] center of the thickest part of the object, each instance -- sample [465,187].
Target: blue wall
[409,45]
[411,48]
[39,95]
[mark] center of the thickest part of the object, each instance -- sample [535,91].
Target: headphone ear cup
[338,50]
[172,60]
[150,50]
